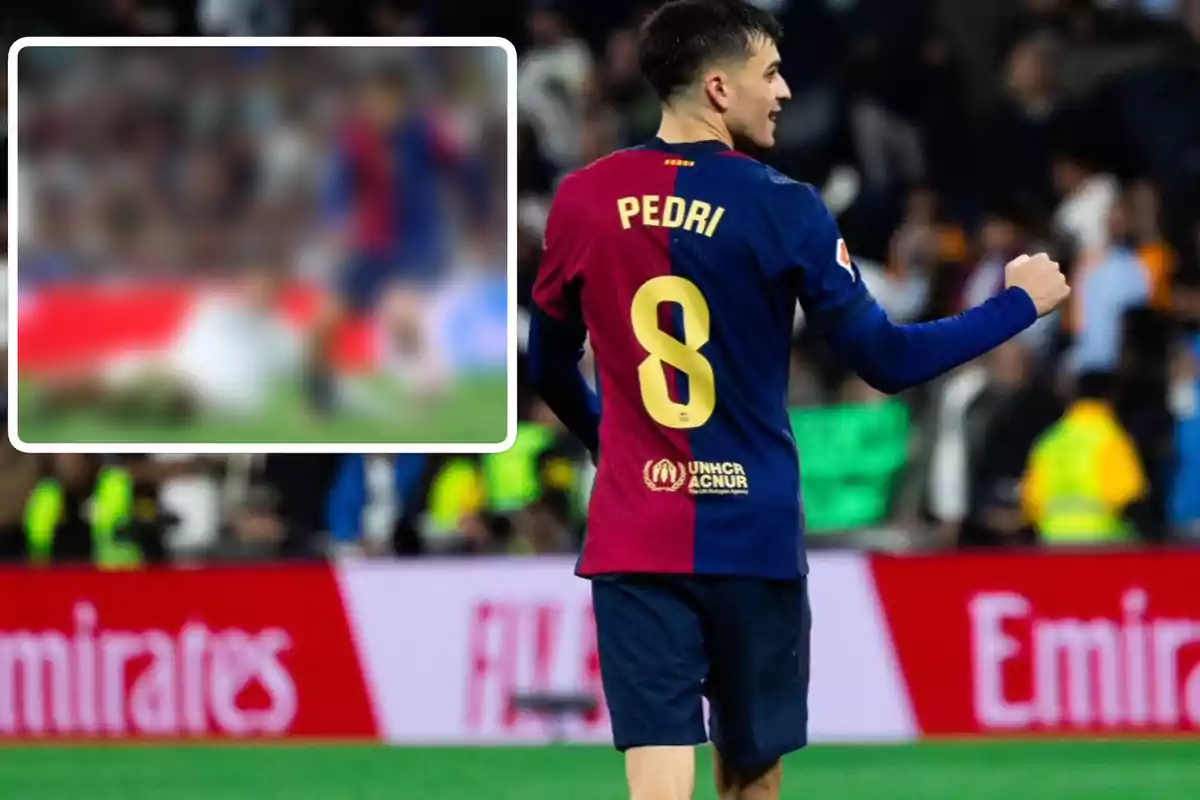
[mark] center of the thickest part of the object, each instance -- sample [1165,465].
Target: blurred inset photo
[265,247]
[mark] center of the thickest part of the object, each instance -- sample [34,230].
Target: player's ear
[717,89]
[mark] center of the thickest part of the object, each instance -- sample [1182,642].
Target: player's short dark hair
[682,37]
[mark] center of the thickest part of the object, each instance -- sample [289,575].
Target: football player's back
[676,266]
[684,262]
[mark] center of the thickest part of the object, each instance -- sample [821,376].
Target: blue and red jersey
[685,263]
[387,186]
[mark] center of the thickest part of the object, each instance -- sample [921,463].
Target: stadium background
[944,135]
[202,165]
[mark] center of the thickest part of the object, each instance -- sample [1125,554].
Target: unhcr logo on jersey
[695,477]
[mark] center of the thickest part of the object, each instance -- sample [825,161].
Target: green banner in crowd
[850,456]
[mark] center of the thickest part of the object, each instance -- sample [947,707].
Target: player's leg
[734,786]
[652,662]
[661,773]
[402,316]
[354,289]
[407,320]
[758,644]
[319,366]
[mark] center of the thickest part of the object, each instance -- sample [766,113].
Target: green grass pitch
[473,411]
[1018,770]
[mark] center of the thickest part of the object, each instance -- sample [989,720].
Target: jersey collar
[702,148]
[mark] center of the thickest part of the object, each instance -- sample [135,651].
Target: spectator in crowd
[953,448]
[194,499]
[1084,483]
[1185,485]
[19,473]
[1104,290]
[920,255]
[1021,133]
[376,504]
[1088,196]
[553,85]
[886,72]
[85,510]
[1002,238]
[151,523]
[1143,210]
[1007,232]
[534,491]
[1149,340]
[621,87]
[242,18]
[284,513]
[1017,405]
[397,18]
[526,500]
[988,415]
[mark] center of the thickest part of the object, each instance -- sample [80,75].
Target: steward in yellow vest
[55,506]
[1084,474]
[455,497]
[541,470]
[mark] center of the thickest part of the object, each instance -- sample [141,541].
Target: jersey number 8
[666,349]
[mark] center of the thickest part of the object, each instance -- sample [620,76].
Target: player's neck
[680,128]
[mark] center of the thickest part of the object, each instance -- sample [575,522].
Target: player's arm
[890,357]
[557,332]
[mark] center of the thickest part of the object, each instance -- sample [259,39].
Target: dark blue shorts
[668,641]
[363,280]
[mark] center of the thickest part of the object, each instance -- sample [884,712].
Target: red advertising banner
[137,317]
[435,652]
[1087,643]
[214,653]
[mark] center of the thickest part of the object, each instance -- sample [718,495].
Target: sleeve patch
[843,257]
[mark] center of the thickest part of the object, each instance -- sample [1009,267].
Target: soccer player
[387,211]
[684,259]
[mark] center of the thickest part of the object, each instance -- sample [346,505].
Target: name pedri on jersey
[685,262]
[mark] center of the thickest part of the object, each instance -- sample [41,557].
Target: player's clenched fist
[1041,279]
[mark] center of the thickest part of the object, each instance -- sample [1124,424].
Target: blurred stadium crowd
[336,180]
[948,137]
[151,187]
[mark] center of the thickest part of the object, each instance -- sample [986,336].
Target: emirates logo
[664,475]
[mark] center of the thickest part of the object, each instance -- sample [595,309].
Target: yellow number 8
[666,349]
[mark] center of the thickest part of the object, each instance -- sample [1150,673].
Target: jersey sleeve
[557,331]
[556,291]
[810,252]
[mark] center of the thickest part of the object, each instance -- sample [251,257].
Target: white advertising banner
[445,647]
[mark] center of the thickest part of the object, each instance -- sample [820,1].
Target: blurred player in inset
[683,261]
[232,354]
[389,218]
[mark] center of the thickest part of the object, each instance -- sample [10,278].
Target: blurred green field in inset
[473,411]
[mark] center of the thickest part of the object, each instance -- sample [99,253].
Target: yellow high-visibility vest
[454,493]
[111,509]
[1068,463]
[512,476]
